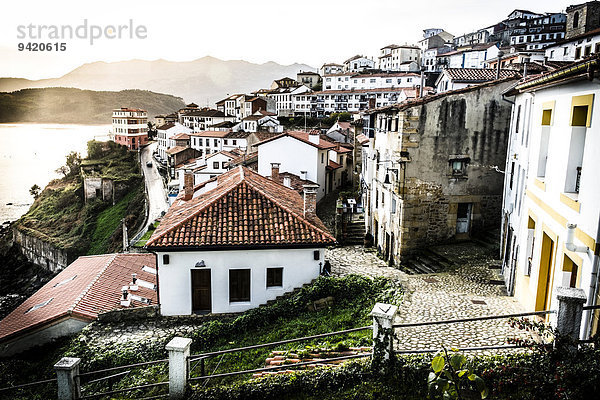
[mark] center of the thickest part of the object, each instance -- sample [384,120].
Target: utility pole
[125,239]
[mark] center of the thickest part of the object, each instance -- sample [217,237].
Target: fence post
[570,311]
[383,316]
[179,351]
[68,385]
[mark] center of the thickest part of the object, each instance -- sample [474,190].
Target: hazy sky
[306,31]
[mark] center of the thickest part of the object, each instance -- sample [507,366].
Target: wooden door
[463,218]
[201,296]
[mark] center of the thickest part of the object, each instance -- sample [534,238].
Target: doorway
[201,293]
[546,262]
[463,218]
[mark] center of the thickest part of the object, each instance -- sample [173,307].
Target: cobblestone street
[469,291]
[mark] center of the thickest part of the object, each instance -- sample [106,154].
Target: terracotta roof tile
[303,137]
[244,210]
[478,74]
[88,286]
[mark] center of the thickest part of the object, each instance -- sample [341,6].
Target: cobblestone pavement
[441,296]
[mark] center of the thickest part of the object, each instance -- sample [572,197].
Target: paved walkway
[441,296]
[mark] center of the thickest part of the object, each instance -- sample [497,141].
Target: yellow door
[546,263]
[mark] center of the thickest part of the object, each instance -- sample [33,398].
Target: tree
[73,162]
[35,191]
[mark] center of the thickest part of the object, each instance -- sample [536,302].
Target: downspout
[593,290]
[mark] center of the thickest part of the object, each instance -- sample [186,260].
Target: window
[234,142]
[572,271]
[547,111]
[518,119]
[530,244]
[275,277]
[165,258]
[322,158]
[577,52]
[225,142]
[216,142]
[587,51]
[576,19]
[239,285]
[581,107]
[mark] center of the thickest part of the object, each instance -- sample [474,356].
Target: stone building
[582,18]
[431,169]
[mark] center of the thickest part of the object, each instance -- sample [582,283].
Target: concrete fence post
[570,311]
[179,351]
[383,318]
[68,385]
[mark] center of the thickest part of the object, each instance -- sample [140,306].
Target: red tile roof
[244,210]
[177,149]
[87,287]
[333,165]
[303,137]
[478,74]
[181,136]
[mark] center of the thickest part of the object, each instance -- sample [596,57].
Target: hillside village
[462,167]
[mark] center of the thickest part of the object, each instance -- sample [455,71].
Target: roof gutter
[585,67]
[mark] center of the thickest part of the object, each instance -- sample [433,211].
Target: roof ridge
[88,287]
[302,218]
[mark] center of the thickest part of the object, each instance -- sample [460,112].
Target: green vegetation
[69,105]
[61,216]
[314,123]
[285,319]
[149,232]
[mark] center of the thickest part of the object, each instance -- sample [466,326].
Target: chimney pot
[287,181]
[275,171]
[188,185]
[303,175]
[310,201]
[314,137]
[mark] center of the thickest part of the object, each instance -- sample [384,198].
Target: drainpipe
[593,290]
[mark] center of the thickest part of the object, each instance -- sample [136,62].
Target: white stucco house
[207,167]
[300,153]
[164,133]
[551,208]
[235,242]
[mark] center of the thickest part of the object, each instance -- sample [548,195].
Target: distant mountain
[207,79]
[69,105]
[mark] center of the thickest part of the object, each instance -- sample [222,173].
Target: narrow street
[470,290]
[157,196]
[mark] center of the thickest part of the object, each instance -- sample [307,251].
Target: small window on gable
[165,258]
[581,110]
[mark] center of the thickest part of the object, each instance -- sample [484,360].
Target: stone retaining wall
[40,252]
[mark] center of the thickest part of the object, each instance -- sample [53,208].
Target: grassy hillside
[68,105]
[60,215]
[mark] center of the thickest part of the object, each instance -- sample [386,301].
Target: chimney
[313,136]
[310,201]
[287,181]
[303,175]
[275,171]
[188,185]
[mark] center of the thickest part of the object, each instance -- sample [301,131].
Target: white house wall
[299,267]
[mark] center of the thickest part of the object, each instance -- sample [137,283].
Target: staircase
[287,294]
[354,232]
[426,262]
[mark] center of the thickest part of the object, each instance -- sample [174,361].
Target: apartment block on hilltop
[582,36]
[130,127]
[551,205]
[393,56]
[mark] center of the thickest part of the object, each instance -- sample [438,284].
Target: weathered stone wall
[588,20]
[41,253]
[129,314]
[94,187]
[472,125]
